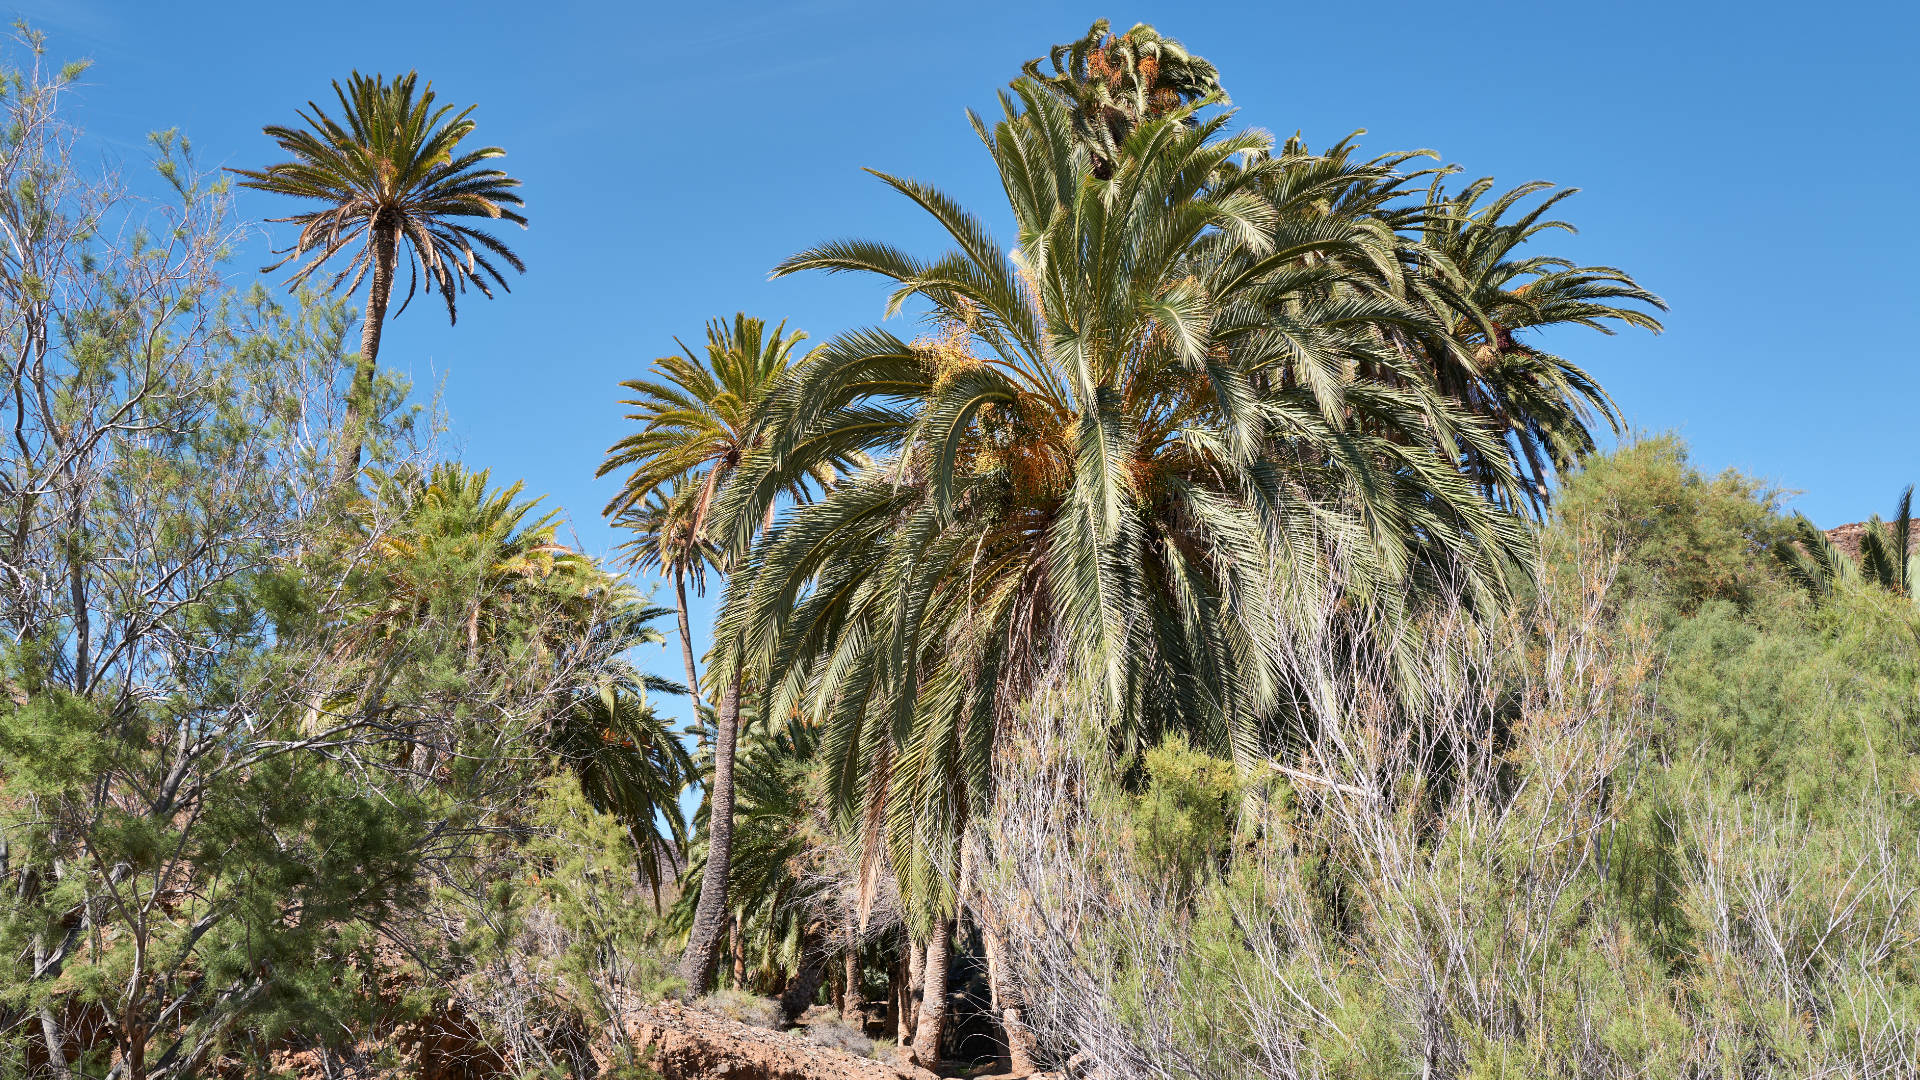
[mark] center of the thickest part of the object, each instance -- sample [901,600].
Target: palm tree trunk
[851,1005]
[686,647]
[353,431]
[686,638]
[737,951]
[932,1025]
[799,994]
[1006,1003]
[710,913]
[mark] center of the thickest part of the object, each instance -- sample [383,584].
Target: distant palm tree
[699,421]
[1887,560]
[666,541]
[628,760]
[434,526]
[390,175]
[699,418]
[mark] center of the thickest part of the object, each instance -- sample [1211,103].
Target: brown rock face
[1847,538]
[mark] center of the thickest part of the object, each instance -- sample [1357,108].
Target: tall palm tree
[1105,461]
[697,422]
[391,178]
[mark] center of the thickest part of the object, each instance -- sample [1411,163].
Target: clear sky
[1753,164]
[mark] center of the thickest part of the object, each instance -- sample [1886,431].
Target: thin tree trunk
[56,1042]
[686,652]
[932,1025]
[1006,1002]
[890,1020]
[910,990]
[737,951]
[686,641]
[353,432]
[710,913]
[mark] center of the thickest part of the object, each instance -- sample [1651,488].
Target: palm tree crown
[391,169]
[1491,293]
[1888,558]
[1115,82]
[699,418]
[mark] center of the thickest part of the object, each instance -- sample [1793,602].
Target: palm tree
[1888,557]
[1113,83]
[447,524]
[1470,262]
[697,423]
[666,542]
[390,176]
[1106,461]
[453,549]
[626,757]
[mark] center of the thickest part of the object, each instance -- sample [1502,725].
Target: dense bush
[1661,825]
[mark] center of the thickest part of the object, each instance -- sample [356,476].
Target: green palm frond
[1888,555]
[699,417]
[1475,273]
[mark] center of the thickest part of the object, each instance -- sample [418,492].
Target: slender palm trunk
[737,951]
[798,995]
[932,1025]
[686,647]
[710,913]
[909,988]
[686,636]
[353,432]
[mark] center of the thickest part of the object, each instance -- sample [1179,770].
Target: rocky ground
[687,1044]
[676,1041]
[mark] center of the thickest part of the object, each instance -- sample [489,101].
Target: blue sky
[1751,163]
